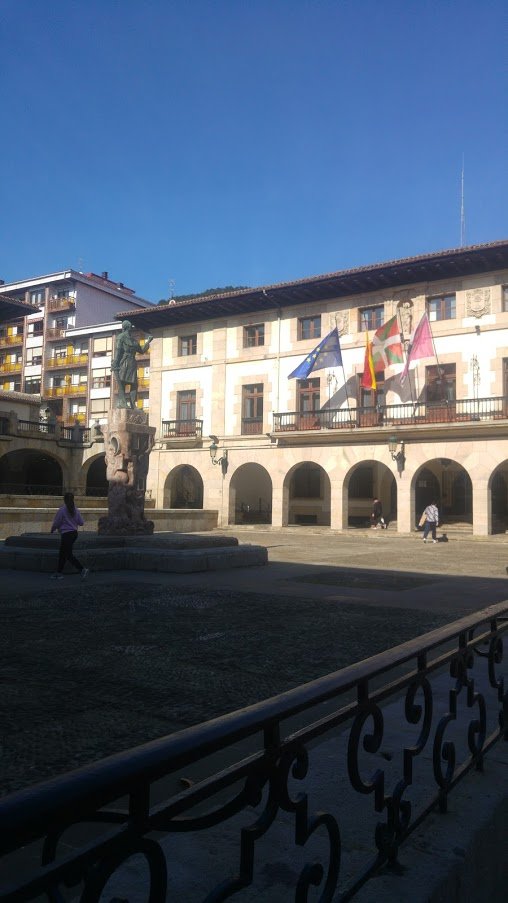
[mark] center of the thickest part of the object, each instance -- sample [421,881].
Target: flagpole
[413,402]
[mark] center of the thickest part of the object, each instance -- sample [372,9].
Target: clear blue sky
[216,142]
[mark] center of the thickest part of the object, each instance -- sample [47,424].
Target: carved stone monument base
[128,442]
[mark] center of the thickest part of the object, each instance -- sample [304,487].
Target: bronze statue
[124,365]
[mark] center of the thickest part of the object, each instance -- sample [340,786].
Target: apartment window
[309,328]
[77,409]
[440,384]
[61,322]
[99,408]
[35,328]
[33,385]
[442,307]
[33,356]
[370,398]
[252,409]
[102,346]
[186,405]
[37,297]
[308,395]
[371,318]
[187,345]
[254,336]
[101,378]
[505,297]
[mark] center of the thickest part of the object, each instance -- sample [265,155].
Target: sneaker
[56,577]
[425,540]
[434,540]
[84,573]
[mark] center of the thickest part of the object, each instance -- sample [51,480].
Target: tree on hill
[208,291]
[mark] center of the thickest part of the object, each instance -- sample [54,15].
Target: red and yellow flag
[368,375]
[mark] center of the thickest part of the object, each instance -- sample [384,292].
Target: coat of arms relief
[478,302]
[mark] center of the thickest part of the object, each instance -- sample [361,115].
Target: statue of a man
[124,365]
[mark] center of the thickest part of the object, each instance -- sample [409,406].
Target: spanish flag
[368,375]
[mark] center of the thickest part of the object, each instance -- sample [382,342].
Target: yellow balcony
[143,382]
[60,391]
[80,360]
[11,368]
[65,303]
[55,332]
[7,340]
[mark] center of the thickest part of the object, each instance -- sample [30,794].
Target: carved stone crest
[477,302]
[341,321]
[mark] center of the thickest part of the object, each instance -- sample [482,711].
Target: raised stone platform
[178,553]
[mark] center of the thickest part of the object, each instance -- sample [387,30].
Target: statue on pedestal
[128,442]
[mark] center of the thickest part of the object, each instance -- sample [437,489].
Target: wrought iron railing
[36,426]
[464,410]
[378,745]
[75,434]
[177,429]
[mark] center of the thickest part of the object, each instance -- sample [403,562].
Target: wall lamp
[223,460]
[398,456]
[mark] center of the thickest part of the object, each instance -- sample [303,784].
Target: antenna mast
[462,212]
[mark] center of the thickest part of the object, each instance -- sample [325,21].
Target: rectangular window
[308,395]
[36,328]
[442,307]
[33,385]
[37,297]
[254,336]
[369,398]
[440,384]
[371,318]
[101,378]
[309,328]
[99,407]
[61,322]
[187,345]
[186,405]
[252,409]
[33,356]
[103,346]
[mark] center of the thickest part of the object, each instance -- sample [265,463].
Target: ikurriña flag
[387,346]
[369,374]
[326,354]
[422,345]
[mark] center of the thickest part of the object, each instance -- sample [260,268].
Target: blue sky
[216,142]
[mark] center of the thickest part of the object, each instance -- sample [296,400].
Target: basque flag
[326,354]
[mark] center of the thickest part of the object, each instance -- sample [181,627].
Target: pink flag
[421,346]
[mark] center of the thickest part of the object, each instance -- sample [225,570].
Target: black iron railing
[30,426]
[78,435]
[464,410]
[344,749]
[177,429]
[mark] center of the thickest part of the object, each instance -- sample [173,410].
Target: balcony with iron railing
[60,391]
[79,360]
[181,429]
[55,332]
[9,340]
[465,410]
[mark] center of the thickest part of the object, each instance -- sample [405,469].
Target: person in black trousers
[67,520]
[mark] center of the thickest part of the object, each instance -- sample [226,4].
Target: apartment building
[63,349]
[236,433]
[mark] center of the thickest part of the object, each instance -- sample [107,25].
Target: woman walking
[67,520]
[431,515]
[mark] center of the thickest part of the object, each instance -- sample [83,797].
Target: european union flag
[326,354]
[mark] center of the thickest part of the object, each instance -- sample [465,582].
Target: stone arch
[31,472]
[97,483]
[365,481]
[307,495]
[448,483]
[498,499]
[183,488]
[250,495]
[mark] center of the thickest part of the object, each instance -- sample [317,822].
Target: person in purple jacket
[67,520]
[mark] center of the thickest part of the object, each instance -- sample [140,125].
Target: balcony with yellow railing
[64,303]
[143,383]
[68,360]
[11,367]
[9,340]
[60,391]
[55,332]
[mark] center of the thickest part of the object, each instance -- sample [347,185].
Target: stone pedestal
[128,442]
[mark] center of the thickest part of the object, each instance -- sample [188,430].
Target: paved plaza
[90,668]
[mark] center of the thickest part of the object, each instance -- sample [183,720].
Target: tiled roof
[12,309]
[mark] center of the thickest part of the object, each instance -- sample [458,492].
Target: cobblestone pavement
[91,668]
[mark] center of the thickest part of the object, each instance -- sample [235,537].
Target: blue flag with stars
[326,354]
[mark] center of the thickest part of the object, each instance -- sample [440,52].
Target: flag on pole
[326,354]
[422,345]
[369,374]
[387,346]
